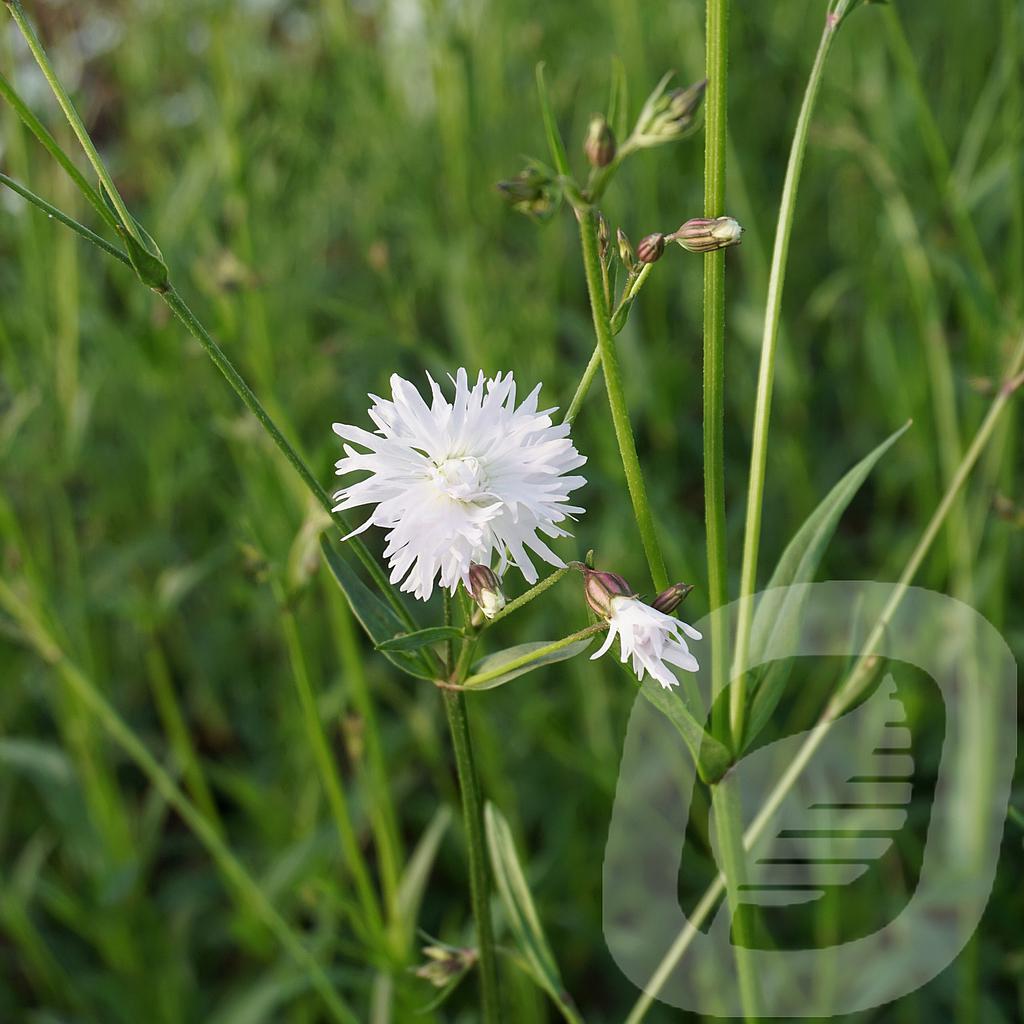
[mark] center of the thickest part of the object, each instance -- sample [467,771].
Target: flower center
[461,479]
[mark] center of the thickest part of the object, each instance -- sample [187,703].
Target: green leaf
[555,144]
[778,614]
[144,253]
[414,879]
[421,638]
[523,919]
[520,662]
[379,621]
[712,757]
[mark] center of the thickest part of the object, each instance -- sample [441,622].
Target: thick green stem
[766,375]
[729,828]
[715,142]
[617,400]
[479,879]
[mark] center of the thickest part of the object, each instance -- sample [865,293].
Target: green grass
[321,184]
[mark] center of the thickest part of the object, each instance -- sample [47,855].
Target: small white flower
[652,638]
[457,482]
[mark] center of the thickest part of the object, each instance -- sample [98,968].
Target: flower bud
[444,964]
[485,587]
[672,597]
[668,116]
[650,248]
[707,235]
[626,253]
[600,142]
[602,237]
[532,191]
[600,587]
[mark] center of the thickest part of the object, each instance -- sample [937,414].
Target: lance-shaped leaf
[498,669]
[778,613]
[523,919]
[379,621]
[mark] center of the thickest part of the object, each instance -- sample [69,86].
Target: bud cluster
[533,191]
[445,963]
[668,115]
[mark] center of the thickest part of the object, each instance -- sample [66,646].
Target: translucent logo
[821,808]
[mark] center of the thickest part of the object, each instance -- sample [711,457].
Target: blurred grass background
[320,178]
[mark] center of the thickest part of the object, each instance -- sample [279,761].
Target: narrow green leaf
[523,919]
[710,755]
[778,614]
[555,144]
[421,638]
[374,616]
[522,658]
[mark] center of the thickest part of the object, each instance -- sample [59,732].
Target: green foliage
[321,182]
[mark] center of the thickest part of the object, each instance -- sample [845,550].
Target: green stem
[766,374]
[479,880]
[618,321]
[63,218]
[535,591]
[540,652]
[617,400]
[252,403]
[715,142]
[122,734]
[61,94]
[729,827]
[859,677]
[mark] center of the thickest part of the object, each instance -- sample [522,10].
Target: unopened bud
[444,964]
[485,587]
[602,237]
[532,191]
[650,249]
[706,235]
[672,597]
[626,253]
[668,116]
[600,142]
[600,588]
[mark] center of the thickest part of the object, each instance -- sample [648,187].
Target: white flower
[653,638]
[456,482]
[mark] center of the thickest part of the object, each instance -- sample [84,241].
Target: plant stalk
[479,879]
[617,399]
[766,377]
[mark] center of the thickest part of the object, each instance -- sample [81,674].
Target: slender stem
[61,94]
[540,652]
[715,142]
[584,385]
[479,879]
[123,735]
[63,218]
[766,374]
[621,313]
[729,826]
[52,147]
[847,693]
[535,591]
[617,400]
[241,388]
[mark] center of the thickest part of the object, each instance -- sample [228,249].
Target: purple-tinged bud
[672,597]
[650,248]
[626,253]
[706,235]
[600,142]
[485,587]
[600,588]
[444,964]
